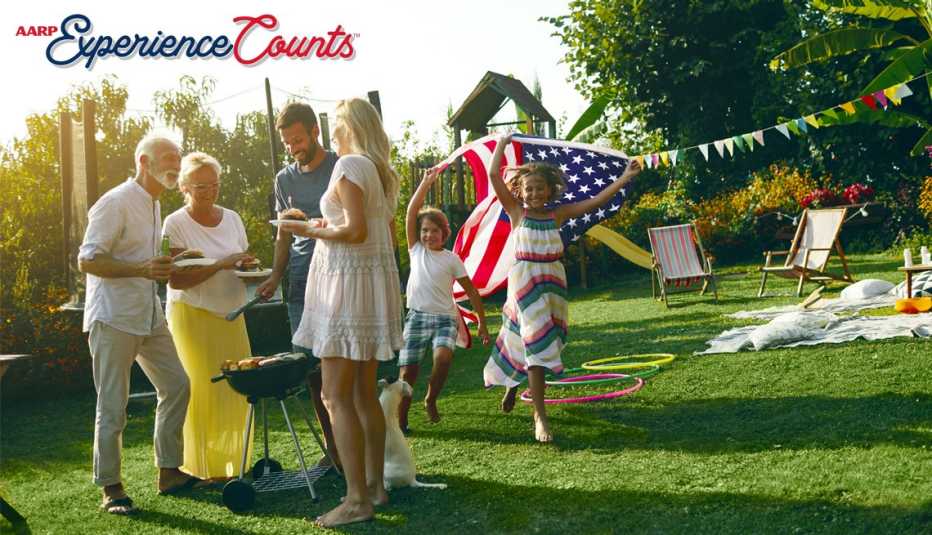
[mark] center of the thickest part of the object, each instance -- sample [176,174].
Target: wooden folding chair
[809,253]
[678,261]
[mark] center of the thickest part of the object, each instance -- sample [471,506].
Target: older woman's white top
[223,292]
[352,304]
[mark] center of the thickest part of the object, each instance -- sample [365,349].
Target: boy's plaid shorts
[424,330]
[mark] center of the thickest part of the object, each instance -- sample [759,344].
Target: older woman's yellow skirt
[216,418]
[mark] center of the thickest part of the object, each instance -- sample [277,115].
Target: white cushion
[922,285]
[865,289]
[789,327]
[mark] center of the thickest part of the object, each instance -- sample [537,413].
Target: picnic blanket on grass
[806,328]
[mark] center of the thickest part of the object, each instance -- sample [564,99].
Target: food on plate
[293,214]
[190,254]
[253,264]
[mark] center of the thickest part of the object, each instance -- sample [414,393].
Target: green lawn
[825,439]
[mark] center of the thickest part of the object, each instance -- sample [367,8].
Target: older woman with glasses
[198,300]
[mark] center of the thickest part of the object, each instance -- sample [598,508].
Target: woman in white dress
[352,311]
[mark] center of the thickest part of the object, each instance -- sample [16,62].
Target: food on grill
[294,214]
[253,363]
[190,254]
[271,376]
[249,364]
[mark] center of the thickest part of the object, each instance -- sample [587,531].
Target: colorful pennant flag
[758,136]
[665,158]
[801,124]
[704,149]
[739,142]
[719,145]
[674,154]
[881,98]
[848,107]
[782,128]
[730,145]
[749,141]
[811,119]
[869,100]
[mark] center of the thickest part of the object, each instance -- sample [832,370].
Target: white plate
[192,262]
[278,222]
[253,274]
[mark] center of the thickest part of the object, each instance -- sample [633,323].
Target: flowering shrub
[925,198]
[819,198]
[858,193]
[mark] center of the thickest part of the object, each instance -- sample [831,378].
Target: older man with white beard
[124,318]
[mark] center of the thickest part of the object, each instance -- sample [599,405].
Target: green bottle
[165,249]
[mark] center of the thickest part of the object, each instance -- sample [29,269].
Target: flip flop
[119,506]
[191,483]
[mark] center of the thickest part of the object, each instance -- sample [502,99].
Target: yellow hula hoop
[659,359]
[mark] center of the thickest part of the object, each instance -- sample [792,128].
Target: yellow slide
[621,245]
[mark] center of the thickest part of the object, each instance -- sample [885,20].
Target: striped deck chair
[678,261]
[809,253]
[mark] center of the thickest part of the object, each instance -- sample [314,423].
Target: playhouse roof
[487,99]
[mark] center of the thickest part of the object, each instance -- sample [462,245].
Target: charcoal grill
[278,381]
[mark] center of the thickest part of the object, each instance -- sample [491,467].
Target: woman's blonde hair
[192,163]
[366,136]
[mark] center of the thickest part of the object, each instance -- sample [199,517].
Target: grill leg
[320,442]
[297,447]
[265,436]
[249,415]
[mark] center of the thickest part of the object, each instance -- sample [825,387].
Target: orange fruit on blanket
[913,305]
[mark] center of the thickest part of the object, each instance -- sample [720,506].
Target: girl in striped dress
[534,317]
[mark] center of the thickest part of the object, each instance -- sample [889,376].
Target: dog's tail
[429,485]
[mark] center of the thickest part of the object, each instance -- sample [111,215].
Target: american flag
[484,243]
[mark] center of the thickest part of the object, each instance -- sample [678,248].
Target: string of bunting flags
[880,99]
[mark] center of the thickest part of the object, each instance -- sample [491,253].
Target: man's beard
[167,178]
[308,155]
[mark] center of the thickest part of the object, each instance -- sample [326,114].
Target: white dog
[399,462]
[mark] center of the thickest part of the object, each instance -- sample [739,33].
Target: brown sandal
[118,506]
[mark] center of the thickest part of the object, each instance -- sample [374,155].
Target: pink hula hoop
[526,395]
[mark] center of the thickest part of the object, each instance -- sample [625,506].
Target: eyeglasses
[205,187]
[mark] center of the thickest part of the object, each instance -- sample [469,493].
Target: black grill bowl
[269,381]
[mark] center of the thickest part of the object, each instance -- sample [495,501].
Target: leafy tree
[678,73]
[900,28]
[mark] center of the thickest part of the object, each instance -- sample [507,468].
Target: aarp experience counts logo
[75,43]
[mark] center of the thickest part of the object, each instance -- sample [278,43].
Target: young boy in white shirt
[432,318]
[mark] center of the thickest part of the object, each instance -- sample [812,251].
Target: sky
[420,55]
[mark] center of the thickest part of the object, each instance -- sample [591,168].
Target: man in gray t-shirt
[300,185]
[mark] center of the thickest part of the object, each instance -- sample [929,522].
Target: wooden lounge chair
[678,262]
[809,253]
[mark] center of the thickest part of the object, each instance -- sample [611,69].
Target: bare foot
[346,513]
[542,429]
[508,401]
[430,405]
[378,495]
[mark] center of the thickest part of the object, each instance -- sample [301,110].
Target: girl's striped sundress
[533,329]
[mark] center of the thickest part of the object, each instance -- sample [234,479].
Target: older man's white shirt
[126,224]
